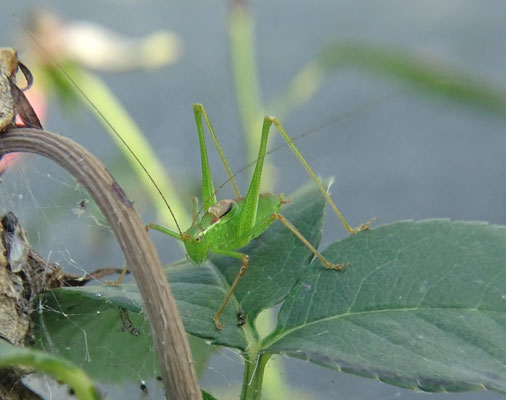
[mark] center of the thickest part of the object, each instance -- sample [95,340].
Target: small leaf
[420,305]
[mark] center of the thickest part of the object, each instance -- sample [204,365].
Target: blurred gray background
[409,157]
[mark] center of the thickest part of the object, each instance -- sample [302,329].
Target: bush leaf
[421,305]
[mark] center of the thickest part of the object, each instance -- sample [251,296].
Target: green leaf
[59,369]
[420,305]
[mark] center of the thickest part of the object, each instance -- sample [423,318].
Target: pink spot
[38,101]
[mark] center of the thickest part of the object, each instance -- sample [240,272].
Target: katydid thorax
[226,226]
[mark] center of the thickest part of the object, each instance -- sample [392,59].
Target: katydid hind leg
[299,236]
[203,114]
[324,192]
[247,218]
[208,196]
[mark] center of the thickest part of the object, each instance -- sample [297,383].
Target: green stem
[253,376]
[125,132]
[60,369]
[244,67]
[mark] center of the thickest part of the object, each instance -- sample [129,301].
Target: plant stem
[254,375]
[244,67]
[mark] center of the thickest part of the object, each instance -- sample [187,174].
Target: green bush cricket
[228,225]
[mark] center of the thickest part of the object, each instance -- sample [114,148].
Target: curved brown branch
[175,358]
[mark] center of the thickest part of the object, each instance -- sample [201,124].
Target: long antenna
[95,108]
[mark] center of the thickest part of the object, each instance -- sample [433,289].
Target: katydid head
[196,244]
